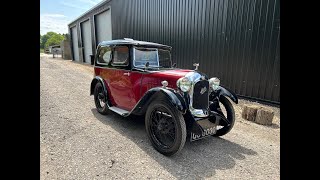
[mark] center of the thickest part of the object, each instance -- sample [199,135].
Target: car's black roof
[133,42]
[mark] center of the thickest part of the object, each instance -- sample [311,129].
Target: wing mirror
[174,65]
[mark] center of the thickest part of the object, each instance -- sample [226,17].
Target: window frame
[104,64]
[134,56]
[171,63]
[126,63]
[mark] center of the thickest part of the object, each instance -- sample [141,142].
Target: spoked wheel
[228,111]
[165,127]
[100,99]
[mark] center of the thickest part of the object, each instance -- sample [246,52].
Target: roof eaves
[85,13]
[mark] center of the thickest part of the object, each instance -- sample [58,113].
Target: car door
[103,68]
[123,82]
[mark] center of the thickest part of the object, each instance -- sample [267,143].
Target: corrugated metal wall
[235,40]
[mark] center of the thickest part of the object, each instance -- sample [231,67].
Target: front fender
[175,99]
[225,92]
[159,93]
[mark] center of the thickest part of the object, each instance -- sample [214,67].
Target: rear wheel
[165,127]
[228,111]
[100,99]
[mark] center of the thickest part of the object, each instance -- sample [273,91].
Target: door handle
[126,74]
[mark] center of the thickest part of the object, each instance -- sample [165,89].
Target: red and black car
[138,78]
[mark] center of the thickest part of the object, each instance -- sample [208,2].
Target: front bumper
[199,128]
[203,127]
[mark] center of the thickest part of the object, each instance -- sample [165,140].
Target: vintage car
[138,78]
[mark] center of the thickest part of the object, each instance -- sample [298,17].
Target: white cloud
[55,15]
[93,2]
[73,5]
[59,22]
[53,22]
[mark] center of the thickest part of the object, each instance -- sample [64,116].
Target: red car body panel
[154,79]
[125,90]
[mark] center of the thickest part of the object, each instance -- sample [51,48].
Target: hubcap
[101,98]
[101,103]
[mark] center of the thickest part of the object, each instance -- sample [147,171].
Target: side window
[164,58]
[104,55]
[120,56]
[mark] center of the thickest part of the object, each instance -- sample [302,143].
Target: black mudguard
[225,92]
[93,84]
[159,93]
[201,127]
[94,81]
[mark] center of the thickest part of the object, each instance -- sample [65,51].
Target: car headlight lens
[214,83]
[184,84]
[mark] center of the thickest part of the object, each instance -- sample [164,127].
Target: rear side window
[104,55]
[120,56]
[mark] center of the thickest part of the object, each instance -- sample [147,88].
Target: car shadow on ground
[199,159]
[274,126]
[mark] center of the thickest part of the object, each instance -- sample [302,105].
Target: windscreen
[156,57]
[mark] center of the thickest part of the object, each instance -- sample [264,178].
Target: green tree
[55,39]
[46,37]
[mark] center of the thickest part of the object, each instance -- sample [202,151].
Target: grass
[41,50]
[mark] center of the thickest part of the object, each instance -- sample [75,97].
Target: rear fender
[94,81]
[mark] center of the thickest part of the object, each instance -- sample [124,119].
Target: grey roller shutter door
[75,43]
[86,39]
[103,26]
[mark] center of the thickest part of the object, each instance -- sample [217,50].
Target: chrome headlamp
[214,83]
[184,84]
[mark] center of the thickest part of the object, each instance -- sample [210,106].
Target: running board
[117,110]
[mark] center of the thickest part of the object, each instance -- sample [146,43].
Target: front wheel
[228,111]
[166,128]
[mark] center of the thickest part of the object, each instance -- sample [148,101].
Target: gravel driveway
[76,142]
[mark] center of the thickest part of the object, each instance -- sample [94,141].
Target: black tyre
[228,111]
[100,99]
[166,128]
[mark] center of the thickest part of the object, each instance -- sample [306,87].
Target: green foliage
[51,38]
[54,40]
[41,50]
[44,39]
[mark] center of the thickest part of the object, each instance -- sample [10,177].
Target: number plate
[206,132]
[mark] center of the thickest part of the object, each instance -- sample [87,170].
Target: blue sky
[55,15]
